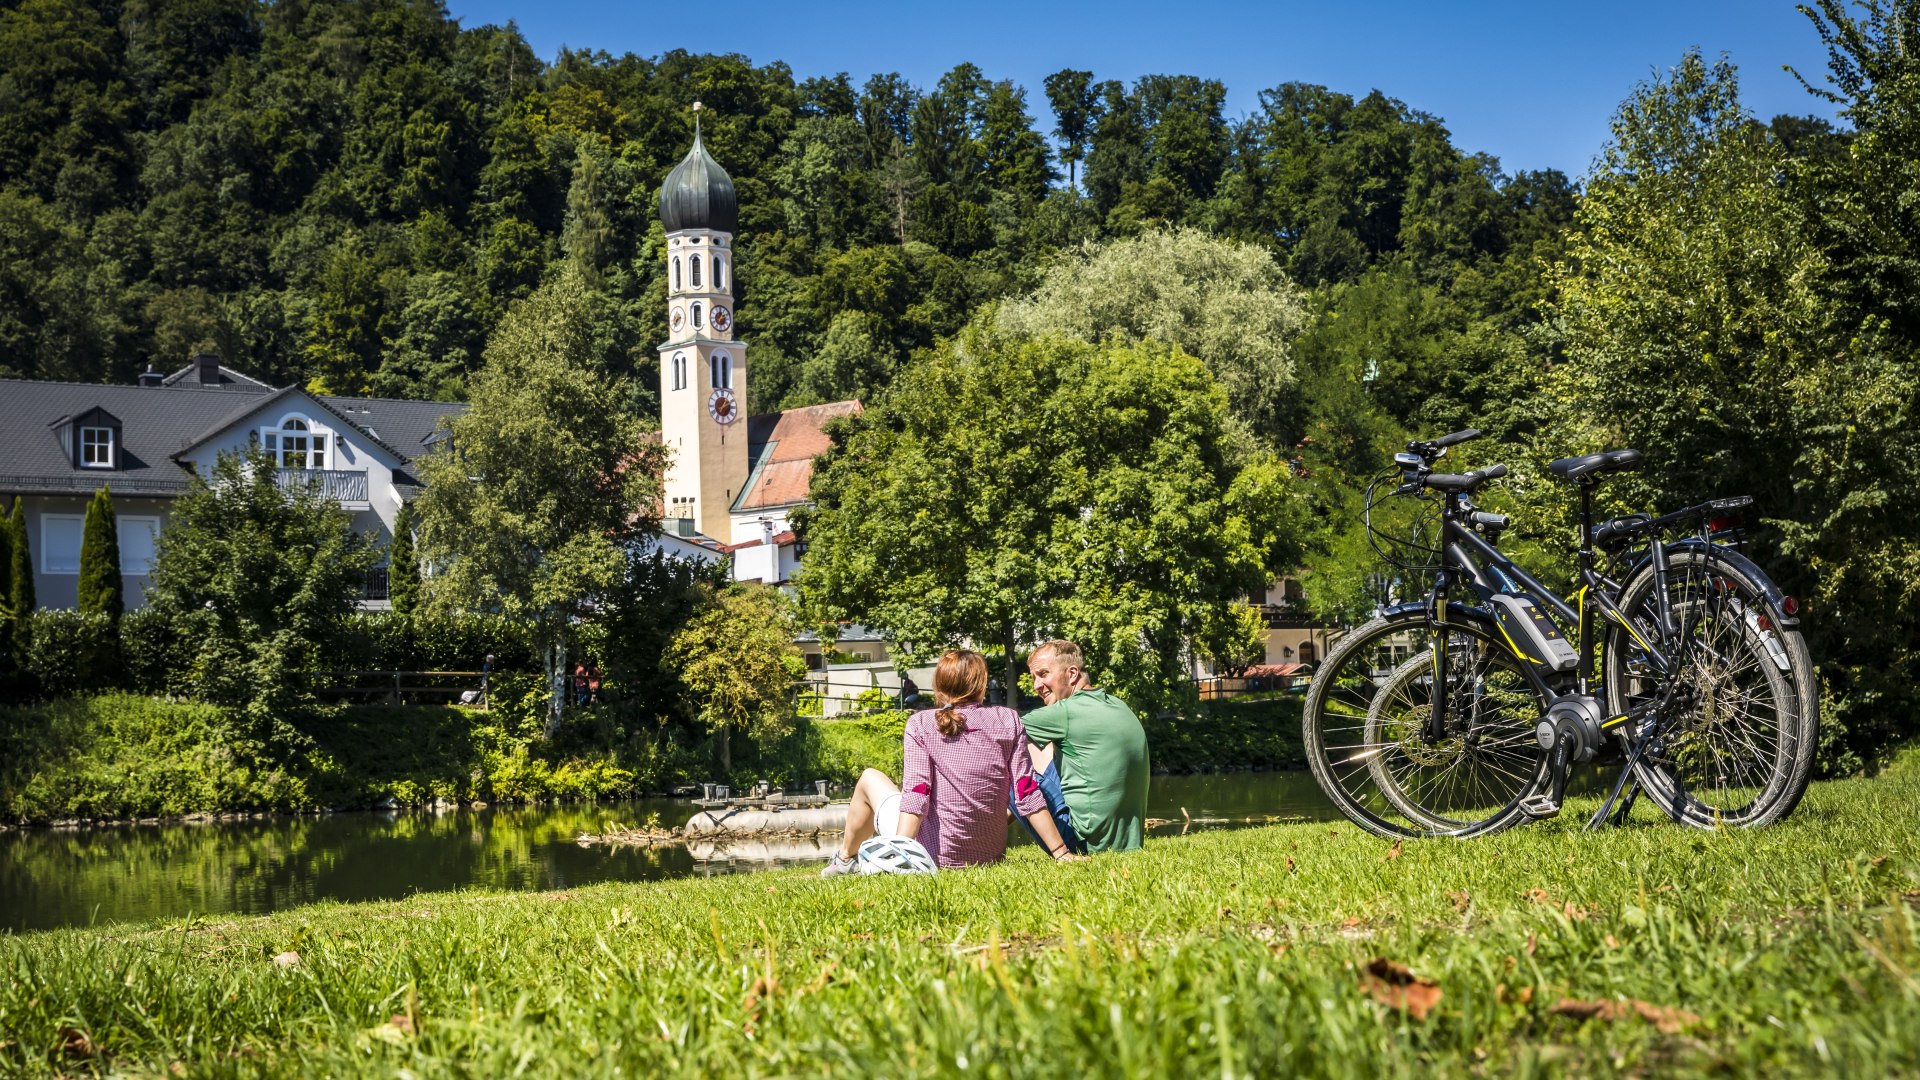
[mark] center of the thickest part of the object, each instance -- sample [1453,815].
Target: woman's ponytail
[961,679]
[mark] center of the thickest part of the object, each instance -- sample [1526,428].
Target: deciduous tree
[738,662]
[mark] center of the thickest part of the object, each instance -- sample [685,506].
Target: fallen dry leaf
[1573,911]
[1460,899]
[401,1023]
[76,1043]
[1520,997]
[1290,865]
[287,959]
[763,987]
[1539,896]
[1669,1020]
[1612,942]
[1394,851]
[1397,987]
[1533,942]
[1351,920]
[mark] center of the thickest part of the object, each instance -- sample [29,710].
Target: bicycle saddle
[1574,468]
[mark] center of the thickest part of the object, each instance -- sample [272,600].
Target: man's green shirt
[1103,766]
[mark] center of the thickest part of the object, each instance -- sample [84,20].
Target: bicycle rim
[1737,745]
[1367,741]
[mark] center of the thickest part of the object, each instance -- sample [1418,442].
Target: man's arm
[1046,724]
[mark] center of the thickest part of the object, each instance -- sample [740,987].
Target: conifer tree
[101,589]
[20,597]
[403,566]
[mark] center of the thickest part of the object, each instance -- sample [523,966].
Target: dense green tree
[550,472]
[1076,108]
[1042,487]
[737,660]
[258,580]
[101,591]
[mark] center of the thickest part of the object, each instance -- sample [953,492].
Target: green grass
[1223,953]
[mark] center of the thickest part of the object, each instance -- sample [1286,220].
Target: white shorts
[886,816]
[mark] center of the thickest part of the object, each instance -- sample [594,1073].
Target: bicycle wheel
[1736,744]
[1366,730]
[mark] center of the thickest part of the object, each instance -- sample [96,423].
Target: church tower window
[694,266]
[719,272]
[720,368]
[676,272]
[696,313]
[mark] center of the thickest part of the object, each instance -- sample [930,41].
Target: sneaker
[839,865]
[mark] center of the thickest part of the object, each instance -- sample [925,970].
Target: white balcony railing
[345,487]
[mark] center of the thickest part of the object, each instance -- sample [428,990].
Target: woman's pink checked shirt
[958,784]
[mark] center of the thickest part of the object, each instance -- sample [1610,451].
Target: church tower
[703,370]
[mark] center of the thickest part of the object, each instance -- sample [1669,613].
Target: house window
[137,536]
[1307,653]
[60,543]
[96,447]
[694,265]
[295,445]
[696,315]
[676,272]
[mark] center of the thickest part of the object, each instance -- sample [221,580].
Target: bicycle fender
[1776,600]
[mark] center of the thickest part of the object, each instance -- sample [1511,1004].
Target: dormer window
[90,439]
[96,448]
[295,445]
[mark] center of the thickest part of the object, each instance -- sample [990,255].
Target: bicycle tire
[1469,784]
[1751,728]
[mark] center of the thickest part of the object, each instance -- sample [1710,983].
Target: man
[1089,753]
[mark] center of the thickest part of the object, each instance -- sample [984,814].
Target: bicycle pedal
[1540,806]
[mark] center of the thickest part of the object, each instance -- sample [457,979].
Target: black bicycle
[1463,712]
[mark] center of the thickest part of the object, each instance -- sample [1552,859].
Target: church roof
[698,194]
[781,447]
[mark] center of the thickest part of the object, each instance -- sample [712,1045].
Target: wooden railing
[395,687]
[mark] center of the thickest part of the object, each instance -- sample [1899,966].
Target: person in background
[909,692]
[486,683]
[1089,754]
[593,682]
[964,761]
[579,682]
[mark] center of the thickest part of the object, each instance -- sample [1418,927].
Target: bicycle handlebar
[1457,437]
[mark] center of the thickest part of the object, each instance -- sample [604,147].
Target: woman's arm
[1043,826]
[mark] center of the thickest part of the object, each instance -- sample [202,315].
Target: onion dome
[698,193]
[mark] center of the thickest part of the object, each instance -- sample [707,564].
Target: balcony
[349,489]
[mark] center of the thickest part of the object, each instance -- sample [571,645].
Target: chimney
[151,377]
[206,368]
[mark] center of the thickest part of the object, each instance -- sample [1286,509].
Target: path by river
[74,877]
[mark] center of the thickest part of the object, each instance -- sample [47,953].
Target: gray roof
[699,194]
[158,422]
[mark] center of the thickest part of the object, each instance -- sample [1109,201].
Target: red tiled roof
[783,446]
[1269,671]
[779,540]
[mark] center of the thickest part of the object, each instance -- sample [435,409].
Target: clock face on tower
[678,318]
[722,407]
[722,319]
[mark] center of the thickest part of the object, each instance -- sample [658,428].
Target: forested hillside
[351,193]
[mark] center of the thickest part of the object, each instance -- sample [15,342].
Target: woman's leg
[874,786]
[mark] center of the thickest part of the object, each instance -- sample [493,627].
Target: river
[76,877]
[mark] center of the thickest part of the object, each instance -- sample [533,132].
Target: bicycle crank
[1570,733]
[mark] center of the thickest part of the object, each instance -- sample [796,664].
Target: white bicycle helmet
[894,855]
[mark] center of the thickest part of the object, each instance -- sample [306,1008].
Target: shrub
[72,652]
[154,659]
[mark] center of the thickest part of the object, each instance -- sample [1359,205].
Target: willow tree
[548,479]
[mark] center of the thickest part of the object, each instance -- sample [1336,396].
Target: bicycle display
[1464,712]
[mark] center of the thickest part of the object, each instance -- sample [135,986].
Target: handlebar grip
[1457,437]
[1491,472]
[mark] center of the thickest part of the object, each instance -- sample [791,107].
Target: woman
[962,759]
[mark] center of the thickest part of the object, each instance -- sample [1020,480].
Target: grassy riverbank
[1794,950]
[120,756]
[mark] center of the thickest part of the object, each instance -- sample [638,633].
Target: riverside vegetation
[119,756]
[1301,949]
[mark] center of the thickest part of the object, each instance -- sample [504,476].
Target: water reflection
[51,878]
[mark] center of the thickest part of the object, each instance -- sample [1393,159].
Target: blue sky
[1531,83]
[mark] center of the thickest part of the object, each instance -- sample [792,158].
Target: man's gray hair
[1066,652]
